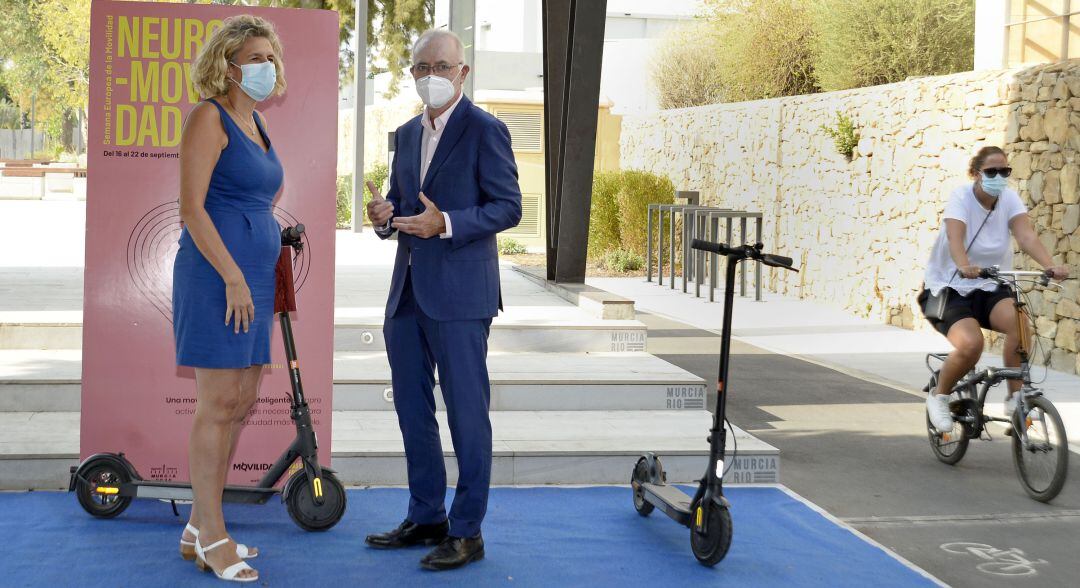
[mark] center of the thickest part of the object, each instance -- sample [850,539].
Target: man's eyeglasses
[438,69]
[992,172]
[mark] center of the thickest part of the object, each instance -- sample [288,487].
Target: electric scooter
[707,512]
[105,483]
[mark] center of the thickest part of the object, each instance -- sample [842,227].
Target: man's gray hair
[434,35]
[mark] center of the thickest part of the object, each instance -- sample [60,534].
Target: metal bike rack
[699,222]
[691,198]
[706,226]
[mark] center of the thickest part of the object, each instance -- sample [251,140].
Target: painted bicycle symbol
[1000,562]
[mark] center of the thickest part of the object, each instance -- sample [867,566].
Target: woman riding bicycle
[978,221]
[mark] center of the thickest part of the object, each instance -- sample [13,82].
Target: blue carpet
[534,537]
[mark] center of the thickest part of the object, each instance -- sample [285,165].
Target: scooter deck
[674,502]
[173,491]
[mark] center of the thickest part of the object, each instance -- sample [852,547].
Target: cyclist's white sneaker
[937,407]
[1010,404]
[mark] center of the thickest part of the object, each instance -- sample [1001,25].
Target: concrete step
[544,447]
[520,328]
[41,329]
[45,380]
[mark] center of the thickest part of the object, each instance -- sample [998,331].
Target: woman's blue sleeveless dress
[239,201]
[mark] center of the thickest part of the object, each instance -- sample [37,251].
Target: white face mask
[435,90]
[258,79]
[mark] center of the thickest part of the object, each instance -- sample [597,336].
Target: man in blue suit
[453,187]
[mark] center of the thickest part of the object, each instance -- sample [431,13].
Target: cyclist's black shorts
[976,305]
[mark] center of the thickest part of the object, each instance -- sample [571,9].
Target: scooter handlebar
[290,236]
[777,260]
[745,252]
[718,248]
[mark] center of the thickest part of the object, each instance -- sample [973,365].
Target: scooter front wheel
[639,477]
[300,501]
[711,547]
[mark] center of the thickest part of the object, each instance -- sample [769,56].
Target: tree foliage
[753,49]
[45,46]
[400,22]
[739,50]
[684,71]
[44,56]
[870,42]
[768,47]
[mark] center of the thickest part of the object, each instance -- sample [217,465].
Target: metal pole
[671,249]
[742,266]
[699,261]
[359,103]
[660,249]
[686,250]
[714,229]
[757,264]
[648,242]
[33,106]
[463,22]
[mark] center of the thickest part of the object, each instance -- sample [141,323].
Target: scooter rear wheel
[100,475]
[639,477]
[711,547]
[300,502]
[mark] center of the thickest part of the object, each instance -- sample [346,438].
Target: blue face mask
[994,186]
[258,80]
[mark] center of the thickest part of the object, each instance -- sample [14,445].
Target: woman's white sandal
[230,573]
[187,548]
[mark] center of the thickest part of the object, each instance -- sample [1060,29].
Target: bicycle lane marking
[1011,562]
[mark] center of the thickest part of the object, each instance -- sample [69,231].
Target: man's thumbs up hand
[379,209]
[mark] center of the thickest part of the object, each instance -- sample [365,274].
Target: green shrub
[377,174]
[10,115]
[843,134]
[684,69]
[344,201]
[618,216]
[638,190]
[753,49]
[768,48]
[870,42]
[623,261]
[740,50]
[604,214]
[508,246]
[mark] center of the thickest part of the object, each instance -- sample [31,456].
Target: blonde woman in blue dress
[223,277]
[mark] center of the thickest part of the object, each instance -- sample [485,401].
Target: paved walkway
[837,395]
[839,398]
[831,337]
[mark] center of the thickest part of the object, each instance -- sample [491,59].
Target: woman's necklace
[249,126]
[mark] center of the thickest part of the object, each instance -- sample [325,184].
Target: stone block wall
[861,229]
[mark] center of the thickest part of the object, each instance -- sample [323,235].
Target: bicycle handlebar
[1000,276]
[745,252]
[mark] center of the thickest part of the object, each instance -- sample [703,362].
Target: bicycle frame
[987,378]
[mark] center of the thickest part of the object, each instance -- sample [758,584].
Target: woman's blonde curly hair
[210,71]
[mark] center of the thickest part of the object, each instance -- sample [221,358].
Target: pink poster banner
[134,397]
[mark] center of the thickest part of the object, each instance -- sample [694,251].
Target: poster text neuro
[148,77]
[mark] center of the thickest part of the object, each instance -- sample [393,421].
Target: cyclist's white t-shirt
[992,246]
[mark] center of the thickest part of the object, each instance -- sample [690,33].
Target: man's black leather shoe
[454,552]
[409,534]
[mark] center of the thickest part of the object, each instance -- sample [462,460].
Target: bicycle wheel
[948,447]
[1040,449]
